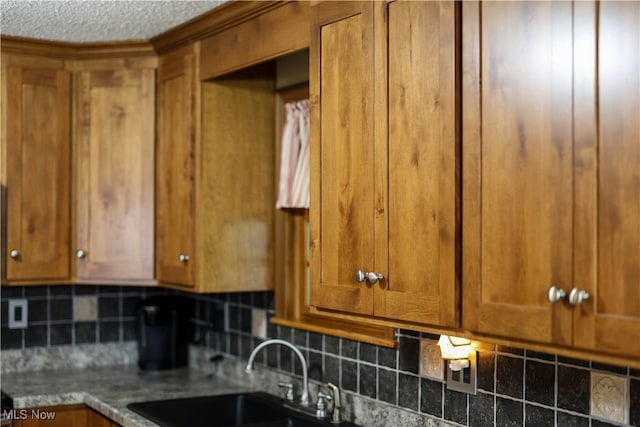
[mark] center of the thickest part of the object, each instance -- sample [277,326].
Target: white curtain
[293,189]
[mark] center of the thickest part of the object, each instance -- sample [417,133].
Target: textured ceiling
[97,20]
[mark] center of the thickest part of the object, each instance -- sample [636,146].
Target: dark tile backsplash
[516,387]
[50,319]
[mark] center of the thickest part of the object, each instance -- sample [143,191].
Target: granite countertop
[53,377]
[108,390]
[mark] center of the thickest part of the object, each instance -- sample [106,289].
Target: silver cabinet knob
[183,258]
[80,254]
[370,277]
[14,254]
[556,294]
[374,277]
[578,296]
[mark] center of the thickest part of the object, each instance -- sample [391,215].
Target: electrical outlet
[18,313]
[465,380]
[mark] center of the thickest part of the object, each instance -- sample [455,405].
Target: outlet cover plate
[466,380]
[18,313]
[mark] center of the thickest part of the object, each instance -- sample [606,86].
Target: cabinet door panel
[115,174]
[611,318]
[423,167]
[176,169]
[342,167]
[518,165]
[38,173]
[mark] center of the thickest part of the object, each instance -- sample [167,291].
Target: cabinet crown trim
[66,50]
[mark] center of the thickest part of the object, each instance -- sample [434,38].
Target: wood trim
[128,282]
[13,283]
[66,50]
[215,21]
[374,335]
[273,34]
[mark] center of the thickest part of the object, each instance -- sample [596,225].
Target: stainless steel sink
[243,409]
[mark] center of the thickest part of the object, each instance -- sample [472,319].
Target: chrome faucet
[304,399]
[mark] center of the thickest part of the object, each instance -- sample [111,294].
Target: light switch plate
[18,313]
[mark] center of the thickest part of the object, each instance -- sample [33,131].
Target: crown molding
[65,50]
[219,19]
[222,18]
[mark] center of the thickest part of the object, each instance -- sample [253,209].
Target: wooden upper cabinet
[38,174]
[607,207]
[551,179]
[177,118]
[518,157]
[422,145]
[342,155]
[216,195]
[384,159]
[115,174]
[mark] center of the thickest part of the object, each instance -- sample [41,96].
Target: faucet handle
[289,395]
[335,396]
[321,405]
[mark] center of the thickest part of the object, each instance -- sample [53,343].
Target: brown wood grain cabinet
[551,188]
[385,160]
[79,180]
[114,138]
[178,112]
[279,29]
[62,416]
[216,195]
[36,180]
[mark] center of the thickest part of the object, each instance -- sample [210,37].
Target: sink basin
[242,409]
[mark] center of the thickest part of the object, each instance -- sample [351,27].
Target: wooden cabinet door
[423,164]
[342,205]
[608,176]
[518,168]
[115,174]
[38,174]
[176,126]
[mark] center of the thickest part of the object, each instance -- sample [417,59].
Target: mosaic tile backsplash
[516,387]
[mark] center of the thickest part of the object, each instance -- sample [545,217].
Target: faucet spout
[304,399]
